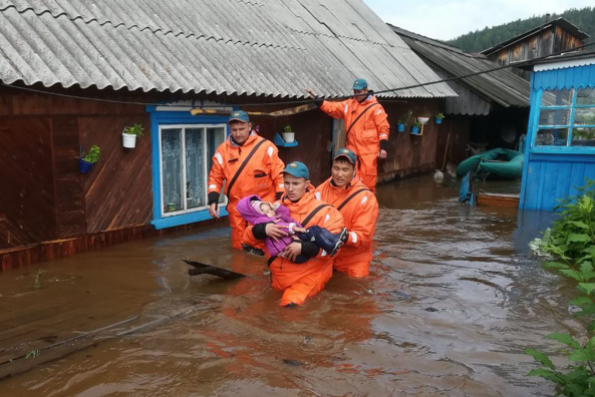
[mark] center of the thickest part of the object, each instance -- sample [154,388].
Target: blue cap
[297,169]
[239,115]
[360,84]
[348,154]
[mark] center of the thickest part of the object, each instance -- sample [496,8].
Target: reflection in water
[452,301]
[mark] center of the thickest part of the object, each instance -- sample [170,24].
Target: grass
[37,284]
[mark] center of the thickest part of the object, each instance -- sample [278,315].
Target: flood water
[453,299]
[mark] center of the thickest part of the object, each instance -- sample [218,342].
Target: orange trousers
[300,290]
[368,170]
[354,269]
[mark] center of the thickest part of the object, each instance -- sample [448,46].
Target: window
[566,118]
[186,153]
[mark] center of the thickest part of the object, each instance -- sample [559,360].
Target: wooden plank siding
[118,191]
[554,177]
[540,44]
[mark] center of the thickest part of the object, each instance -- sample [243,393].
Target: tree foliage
[480,40]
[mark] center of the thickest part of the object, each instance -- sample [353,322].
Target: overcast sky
[447,19]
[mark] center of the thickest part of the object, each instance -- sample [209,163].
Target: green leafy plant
[94,155]
[417,124]
[37,284]
[287,129]
[33,353]
[439,116]
[404,119]
[136,129]
[571,243]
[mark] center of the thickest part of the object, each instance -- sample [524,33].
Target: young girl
[256,211]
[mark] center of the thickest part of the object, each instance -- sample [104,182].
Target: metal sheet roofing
[502,86]
[252,47]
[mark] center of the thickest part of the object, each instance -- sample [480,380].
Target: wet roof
[252,47]
[502,86]
[568,59]
[561,22]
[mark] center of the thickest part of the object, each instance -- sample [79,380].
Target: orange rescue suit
[365,135]
[301,281]
[261,176]
[360,214]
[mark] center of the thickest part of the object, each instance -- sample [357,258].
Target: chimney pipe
[547,17]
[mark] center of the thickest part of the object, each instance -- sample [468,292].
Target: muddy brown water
[452,301]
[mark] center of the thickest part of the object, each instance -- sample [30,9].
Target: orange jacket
[370,129]
[284,272]
[359,214]
[261,176]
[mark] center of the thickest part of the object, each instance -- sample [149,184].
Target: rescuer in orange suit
[248,164]
[299,281]
[366,126]
[359,208]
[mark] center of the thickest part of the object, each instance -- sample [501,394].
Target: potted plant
[415,128]
[423,119]
[129,135]
[439,118]
[87,162]
[403,121]
[288,134]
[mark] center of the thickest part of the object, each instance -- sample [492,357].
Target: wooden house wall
[44,196]
[550,178]
[538,45]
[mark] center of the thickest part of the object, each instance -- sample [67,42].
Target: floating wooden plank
[498,200]
[202,268]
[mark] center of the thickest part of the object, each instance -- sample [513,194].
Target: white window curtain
[186,159]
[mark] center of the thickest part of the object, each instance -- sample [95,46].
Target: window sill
[564,150]
[185,219]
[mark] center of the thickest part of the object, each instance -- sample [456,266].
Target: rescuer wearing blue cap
[366,126]
[299,281]
[248,165]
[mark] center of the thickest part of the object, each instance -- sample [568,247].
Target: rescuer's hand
[382,154]
[276,231]
[292,251]
[214,210]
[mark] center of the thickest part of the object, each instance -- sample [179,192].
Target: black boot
[328,241]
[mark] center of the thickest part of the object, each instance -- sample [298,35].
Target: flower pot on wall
[438,120]
[400,127]
[415,130]
[85,166]
[129,140]
[289,137]
[423,119]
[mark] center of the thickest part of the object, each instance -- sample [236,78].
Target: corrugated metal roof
[253,47]
[502,86]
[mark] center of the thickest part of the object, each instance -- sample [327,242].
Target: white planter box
[289,137]
[129,141]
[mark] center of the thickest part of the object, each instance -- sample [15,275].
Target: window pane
[584,116]
[557,97]
[215,137]
[195,176]
[553,137]
[585,96]
[554,117]
[171,157]
[583,137]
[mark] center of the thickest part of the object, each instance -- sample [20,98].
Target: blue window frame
[182,149]
[565,122]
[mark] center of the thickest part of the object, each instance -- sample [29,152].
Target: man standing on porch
[366,126]
[359,208]
[248,164]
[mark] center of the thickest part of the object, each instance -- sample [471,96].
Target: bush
[571,242]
